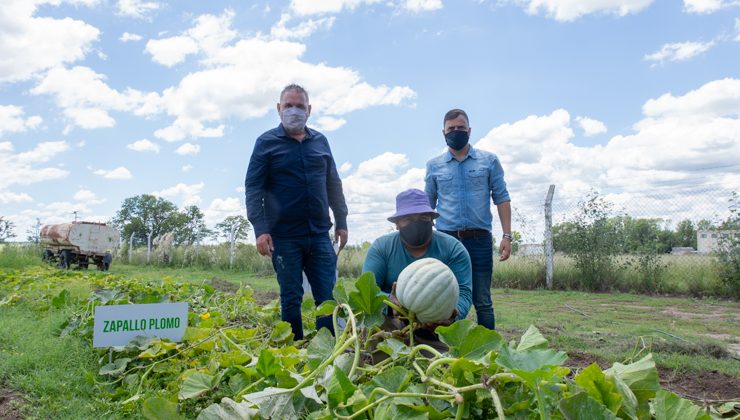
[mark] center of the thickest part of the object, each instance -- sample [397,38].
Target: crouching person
[415,239]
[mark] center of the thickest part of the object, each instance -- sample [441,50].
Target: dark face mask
[457,139]
[416,233]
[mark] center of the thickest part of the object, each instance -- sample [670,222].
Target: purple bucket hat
[412,201]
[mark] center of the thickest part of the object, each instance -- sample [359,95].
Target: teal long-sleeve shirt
[387,257]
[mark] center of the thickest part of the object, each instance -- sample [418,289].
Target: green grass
[49,371]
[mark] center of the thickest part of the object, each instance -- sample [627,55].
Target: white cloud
[186,168]
[328,123]
[139,9]
[679,51]
[713,100]
[143,145]
[590,126]
[737,29]
[221,208]
[208,34]
[300,31]
[312,7]
[129,37]
[569,10]
[13,120]
[86,99]
[188,149]
[35,44]
[707,6]
[87,197]
[422,5]
[7,197]
[346,166]
[171,51]
[24,169]
[118,173]
[187,195]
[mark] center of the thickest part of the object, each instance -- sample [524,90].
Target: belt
[465,234]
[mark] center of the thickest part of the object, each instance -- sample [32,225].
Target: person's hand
[264,245]
[341,236]
[431,326]
[504,250]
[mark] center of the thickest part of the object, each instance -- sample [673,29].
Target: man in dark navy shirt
[291,183]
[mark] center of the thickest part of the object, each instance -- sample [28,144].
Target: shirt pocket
[445,184]
[477,179]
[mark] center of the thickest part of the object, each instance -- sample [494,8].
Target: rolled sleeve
[499,193]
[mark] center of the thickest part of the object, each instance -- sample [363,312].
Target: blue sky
[105,99]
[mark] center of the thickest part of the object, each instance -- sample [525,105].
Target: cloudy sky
[106,99]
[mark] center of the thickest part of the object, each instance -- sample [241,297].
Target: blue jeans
[315,256]
[480,249]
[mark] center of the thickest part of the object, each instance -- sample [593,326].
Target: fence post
[149,247]
[232,239]
[130,247]
[549,250]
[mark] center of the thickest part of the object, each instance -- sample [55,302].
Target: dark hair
[454,113]
[296,88]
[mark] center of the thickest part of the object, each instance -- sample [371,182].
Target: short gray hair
[294,87]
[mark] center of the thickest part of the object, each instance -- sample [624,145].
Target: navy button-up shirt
[291,185]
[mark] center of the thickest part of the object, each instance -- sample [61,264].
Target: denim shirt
[460,191]
[291,185]
[387,257]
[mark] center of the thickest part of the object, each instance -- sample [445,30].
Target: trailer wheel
[48,256]
[65,258]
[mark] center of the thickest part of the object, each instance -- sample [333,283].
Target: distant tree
[189,226]
[6,229]
[685,234]
[704,224]
[145,214]
[564,237]
[33,233]
[241,224]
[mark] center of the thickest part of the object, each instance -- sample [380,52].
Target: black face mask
[457,139]
[416,233]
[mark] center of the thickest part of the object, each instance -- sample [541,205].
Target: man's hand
[504,250]
[341,235]
[431,326]
[264,245]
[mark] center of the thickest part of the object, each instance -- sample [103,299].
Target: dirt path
[10,403]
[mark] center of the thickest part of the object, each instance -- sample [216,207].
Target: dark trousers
[315,256]
[480,248]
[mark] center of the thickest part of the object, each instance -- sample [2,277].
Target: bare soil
[223,285]
[10,405]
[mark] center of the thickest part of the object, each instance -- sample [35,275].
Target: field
[695,343]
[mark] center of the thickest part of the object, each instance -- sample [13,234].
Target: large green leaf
[583,407]
[368,299]
[60,300]
[320,348]
[389,410]
[642,379]
[532,339]
[340,388]
[228,410]
[195,385]
[282,333]
[273,403]
[529,361]
[116,368]
[394,348]
[267,364]
[158,408]
[394,379]
[468,340]
[629,400]
[669,406]
[598,387]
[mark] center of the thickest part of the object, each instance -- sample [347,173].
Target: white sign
[117,325]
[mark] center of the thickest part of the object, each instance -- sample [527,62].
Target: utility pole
[75,213]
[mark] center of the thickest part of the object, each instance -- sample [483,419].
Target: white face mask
[294,119]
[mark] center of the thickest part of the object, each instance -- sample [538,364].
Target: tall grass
[694,275]
[13,255]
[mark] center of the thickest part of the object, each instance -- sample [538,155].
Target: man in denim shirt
[291,183]
[459,184]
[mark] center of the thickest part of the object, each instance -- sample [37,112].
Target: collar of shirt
[471,153]
[282,133]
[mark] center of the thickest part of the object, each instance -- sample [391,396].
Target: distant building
[708,241]
[531,249]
